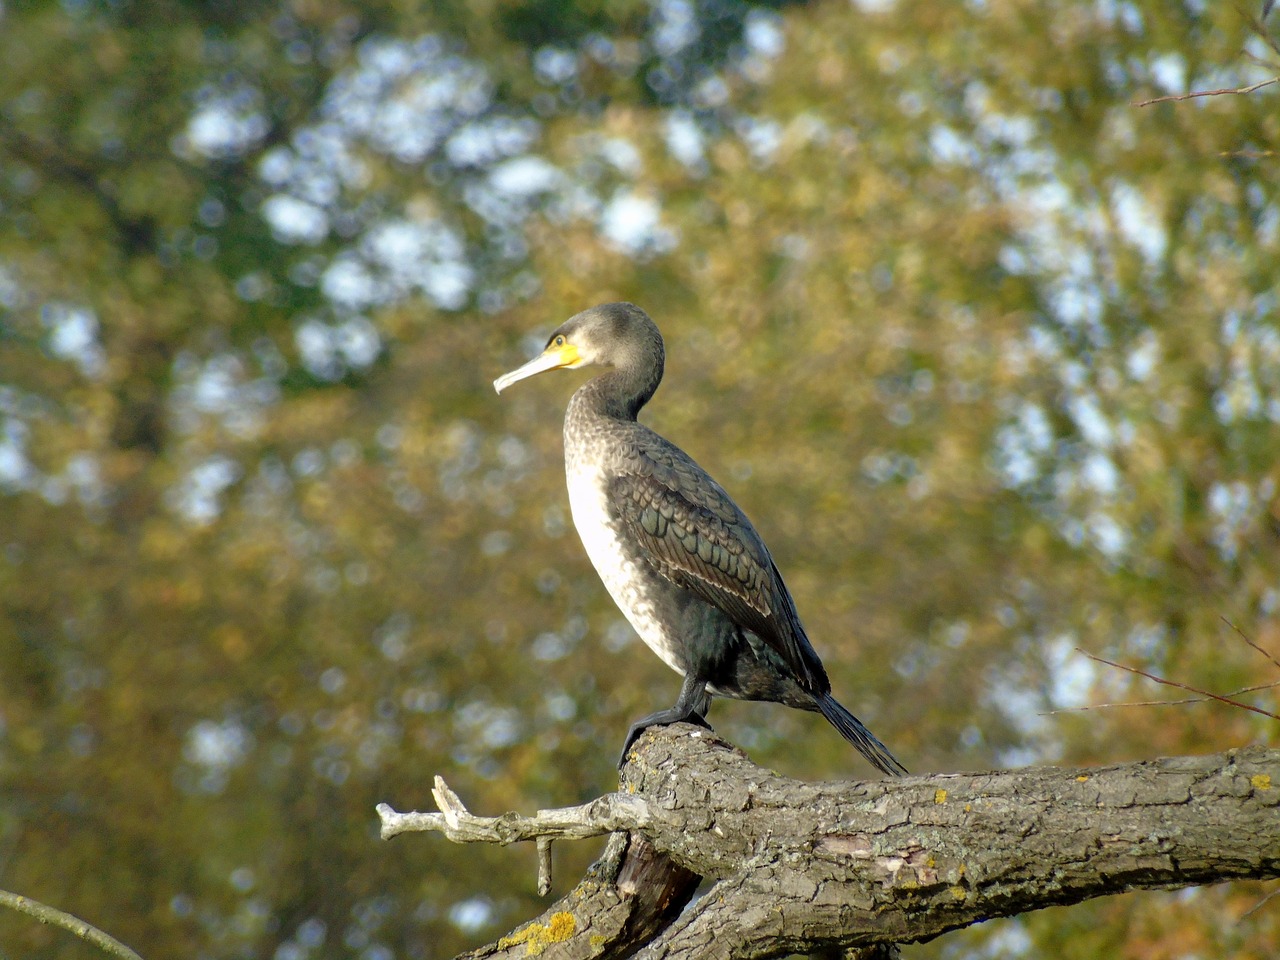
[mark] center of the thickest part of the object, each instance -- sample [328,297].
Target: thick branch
[805,867]
[629,896]
[809,865]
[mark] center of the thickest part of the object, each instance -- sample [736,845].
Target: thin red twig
[1159,703]
[1180,686]
[1241,634]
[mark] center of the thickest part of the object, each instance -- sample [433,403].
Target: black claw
[690,708]
[662,718]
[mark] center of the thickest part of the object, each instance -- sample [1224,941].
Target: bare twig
[544,866]
[1226,697]
[82,929]
[1181,686]
[1259,905]
[607,814]
[1159,703]
[1209,93]
[1259,25]
[613,811]
[1241,634]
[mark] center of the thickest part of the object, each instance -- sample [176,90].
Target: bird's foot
[660,719]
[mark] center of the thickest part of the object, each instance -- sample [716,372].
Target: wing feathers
[695,536]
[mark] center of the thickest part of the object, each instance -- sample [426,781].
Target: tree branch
[1208,93]
[866,864]
[82,929]
[1181,686]
[139,234]
[606,814]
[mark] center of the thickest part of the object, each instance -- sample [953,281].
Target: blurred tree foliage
[991,355]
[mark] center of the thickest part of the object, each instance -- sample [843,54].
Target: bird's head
[611,334]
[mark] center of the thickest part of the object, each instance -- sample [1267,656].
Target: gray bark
[856,867]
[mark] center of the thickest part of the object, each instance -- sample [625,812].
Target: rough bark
[815,867]
[627,897]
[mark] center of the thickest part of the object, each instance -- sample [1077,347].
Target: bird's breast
[640,593]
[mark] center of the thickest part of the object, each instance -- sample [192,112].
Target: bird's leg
[691,707]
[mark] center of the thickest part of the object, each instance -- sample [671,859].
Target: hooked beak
[552,358]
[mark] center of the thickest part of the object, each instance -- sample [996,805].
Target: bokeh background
[989,353]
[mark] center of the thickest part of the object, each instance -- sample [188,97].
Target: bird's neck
[618,394]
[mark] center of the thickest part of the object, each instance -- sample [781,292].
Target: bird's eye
[560,341]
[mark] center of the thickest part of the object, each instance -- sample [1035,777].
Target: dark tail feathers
[851,729]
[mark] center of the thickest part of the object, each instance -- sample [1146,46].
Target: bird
[677,555]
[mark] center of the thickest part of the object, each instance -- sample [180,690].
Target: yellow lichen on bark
[538,936]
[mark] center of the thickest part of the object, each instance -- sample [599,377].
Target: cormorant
[679,558]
